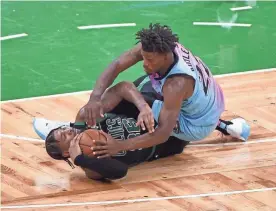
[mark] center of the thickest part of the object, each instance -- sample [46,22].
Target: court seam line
[138,200]
[8,136]
[88,91]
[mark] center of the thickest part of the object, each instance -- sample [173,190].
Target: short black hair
[53,149]
[157,38]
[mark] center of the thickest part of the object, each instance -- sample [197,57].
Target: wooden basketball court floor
[215,174]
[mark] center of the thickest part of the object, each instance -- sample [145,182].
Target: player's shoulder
[178,84]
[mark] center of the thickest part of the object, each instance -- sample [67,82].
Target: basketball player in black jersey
[63,142]
[126,110]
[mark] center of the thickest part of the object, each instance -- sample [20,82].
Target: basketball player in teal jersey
[120,122]
[187,101]
[187,93]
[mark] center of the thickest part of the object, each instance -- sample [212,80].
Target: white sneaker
[43,126]
[239,129]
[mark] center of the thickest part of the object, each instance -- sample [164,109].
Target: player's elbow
[113,174]
[164,132]
[119,173]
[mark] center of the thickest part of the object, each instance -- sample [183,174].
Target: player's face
[64,136]
[153,62]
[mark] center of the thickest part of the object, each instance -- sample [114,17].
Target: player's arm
[96,169]
[175,90]
[92,174]
[126,60]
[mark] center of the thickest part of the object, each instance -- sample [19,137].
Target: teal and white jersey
[206,104]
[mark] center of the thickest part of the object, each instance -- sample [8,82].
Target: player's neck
[167,65]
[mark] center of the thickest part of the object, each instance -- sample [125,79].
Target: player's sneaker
[43,126]
[239,129]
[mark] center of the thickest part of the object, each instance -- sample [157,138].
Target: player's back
[206,104]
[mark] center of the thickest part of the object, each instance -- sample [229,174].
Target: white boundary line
[106,26]
[137,200]
[241,8]
[246,72]
[191,145]
[221,24]
[13,36]
[88,91]
[233,143]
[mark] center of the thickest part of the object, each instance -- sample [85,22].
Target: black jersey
[121,127]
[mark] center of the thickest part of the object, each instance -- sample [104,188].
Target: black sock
[222,125]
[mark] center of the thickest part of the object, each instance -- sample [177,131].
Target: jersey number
[204,75]
[201,68]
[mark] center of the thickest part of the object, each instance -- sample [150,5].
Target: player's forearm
[129,92]
[105,80]
[107,168]
[145,140]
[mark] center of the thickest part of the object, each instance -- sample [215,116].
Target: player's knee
[124,85]
[81,115]
[120,173]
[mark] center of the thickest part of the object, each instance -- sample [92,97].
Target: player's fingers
[93,118]
[147,123]
[143,125]
[73,140]
[151,122]
[99,142]
[101,112]
[139,121]
[103,156]
[100,152]
[78,138]
[96,148]
[86,116]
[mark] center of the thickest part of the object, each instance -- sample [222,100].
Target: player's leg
[171,147]
[43,126]
[129,109]
[184,130]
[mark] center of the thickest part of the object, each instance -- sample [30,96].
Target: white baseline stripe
[20,138]
[241,8]
[8,136]
[88,91]
[221,24]
[106,26]
[246,72]
[13,36]
[138,200]
[233,143]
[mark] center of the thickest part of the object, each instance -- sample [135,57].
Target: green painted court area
[56,57]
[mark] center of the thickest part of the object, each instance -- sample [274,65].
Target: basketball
[86,141]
